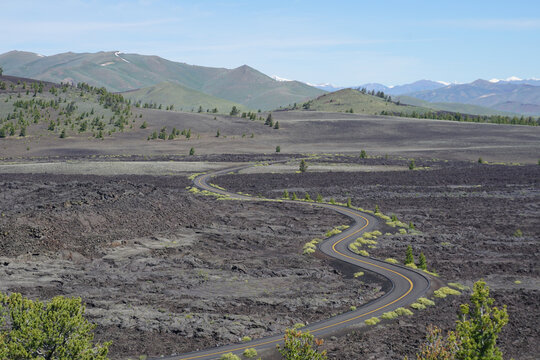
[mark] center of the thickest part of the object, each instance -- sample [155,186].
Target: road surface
[407,284]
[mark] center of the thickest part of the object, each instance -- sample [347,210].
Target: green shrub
[32,329]
[445,291]
[402,231]
[358,274]
[352,308]
[285,194]
[250,353]
[363,253]
[298,345]
[412,265]
[403,312]
[389,315]
[298,326]
[425,301]
[246,338]
[418,306]
[391,261]
[229,356]
[372,321]
[518,233]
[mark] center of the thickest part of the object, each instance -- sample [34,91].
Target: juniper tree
[268,119]
[278,148]
[192,151]
[276,125]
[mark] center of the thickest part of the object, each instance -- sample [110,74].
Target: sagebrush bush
[372,321]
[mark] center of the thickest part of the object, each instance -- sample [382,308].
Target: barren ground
[466,215]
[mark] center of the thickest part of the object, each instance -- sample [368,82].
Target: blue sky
[343,42]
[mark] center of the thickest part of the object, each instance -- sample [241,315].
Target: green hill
[122,72]
[452,107]
[183,98]
[347,99]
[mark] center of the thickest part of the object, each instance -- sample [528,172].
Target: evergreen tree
[363,154]
[218,133]
[63,134]
[422,264]
[303,166]
[349,204]
[319,198]
[276,125]
[479,326]
[285,194]
[307,197]
[294,197]
[200,109]
[192,151]
[1,71]
[234,111]
[409,257]
[53,330]
[278,148]
[412,165]
[268,120]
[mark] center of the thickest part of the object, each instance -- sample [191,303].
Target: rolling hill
[346,99]
[183,98]
[452,107]
[420,85]
[122,72]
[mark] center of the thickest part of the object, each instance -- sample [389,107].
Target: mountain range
[120,72]
[153,79]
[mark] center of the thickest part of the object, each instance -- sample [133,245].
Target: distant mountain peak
[511,78]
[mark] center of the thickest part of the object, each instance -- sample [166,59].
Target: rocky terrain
[164,271]
[467,217]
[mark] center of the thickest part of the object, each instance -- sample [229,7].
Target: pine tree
[377,210]
[268,120]
[412,165]
[307,197]
[422,264]
[276,125]
[218,133]
[294,197]
[363,154]
[285,194]
[409,257]
[349,204]
[319,198]
[479,326]
[303,166]
[192,151]
[278,148]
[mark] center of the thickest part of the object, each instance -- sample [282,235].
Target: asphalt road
[407,284]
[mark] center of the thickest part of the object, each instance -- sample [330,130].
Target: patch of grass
[412,265]
[418,306]
[217,187]
[458,286]
[311,246]
[389,315]
[403,312]
[425,301]
[445,291]
[372,321]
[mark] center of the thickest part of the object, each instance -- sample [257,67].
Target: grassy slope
[344,100]
[258,91]
[132,71]
[453,107]
[36,119]
[183,98]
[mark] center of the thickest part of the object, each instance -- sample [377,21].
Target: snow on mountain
[277,78]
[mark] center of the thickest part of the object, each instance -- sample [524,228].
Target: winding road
[407,284]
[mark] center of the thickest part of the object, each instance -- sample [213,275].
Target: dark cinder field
[300,132]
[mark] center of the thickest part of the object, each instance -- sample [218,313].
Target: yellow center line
[331,325]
